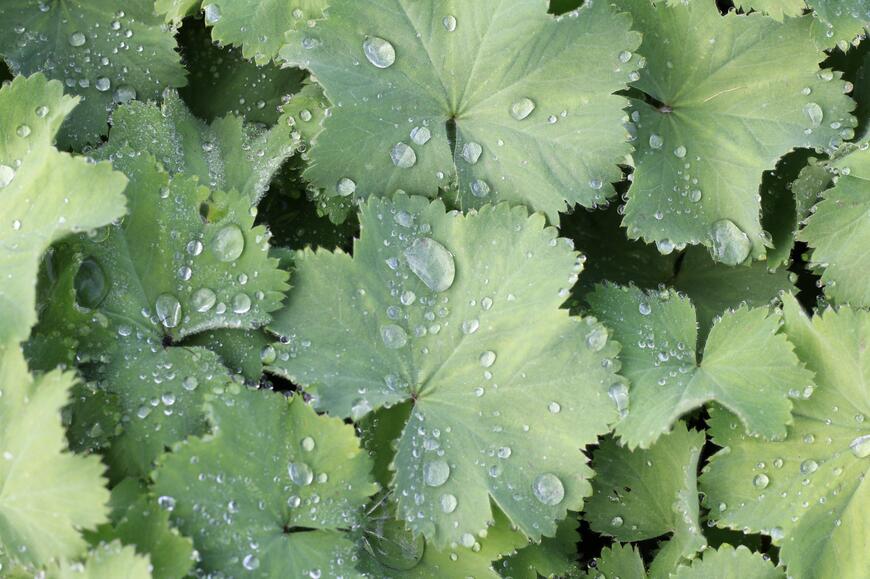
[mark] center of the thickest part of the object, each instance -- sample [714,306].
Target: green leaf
[306,111]
[459,314]
[44,194]
[228,155]
[137,520]
[106,561]
[491,101]
[106,53]
[806,491]
[728,562]
[777,9]
[552,557]
[174,11]
[273,489]
[243,352]
[46,493]
[839,22]
[621,561]
[724,99]
[132,291]
[222,82]
[643,494]
[658,334]
[838,231]
[259,26]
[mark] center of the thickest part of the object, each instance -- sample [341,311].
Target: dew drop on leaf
[23,131]
[250,562]
[860,447]
[168,310]
[394,336]
[731,245]
[345,187]
[761,481]
[548,489]
[7,174]
[403,156]
[379,52]
[814,113]
[616,521]
[522,108]
[618,392]
[596,338]
[656,141]
[307,444]
[680,152]
[103,84]
[212,13]
[90,284]
[229,243]
[124,94]
[448,503]
[449,23]
[431,263]
[480,188]
[395,546]
[241,303]
[77,39]
[487,359]
[809,466]
[300,473]
[203,299]
[554,407]
[436,473]
[470,326]
[471,152]
[421,135]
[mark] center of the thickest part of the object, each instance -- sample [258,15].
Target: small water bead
[814,113]
[809,466]
[644,308]
[470,326]
[268,355]
[300,473]
[487,359]
[241,303]
[16,224]
[229,243]
[190,383]
[168,310]
[90,284]
[522,108]
[305,115]
[408,297]
[730,245]
[761,481]
[860,447]
[680,152]
[250,562]
[617,521]
[504,452]
[77,39]
[23,131]
[624,56]
[184,273]
[665,246]
[448,503]
[307,444]
[393,336]
[480,188]
[124,94]
[436,473]
[596,184]
[554,407]
[449,23]
[471,152]
[7,174]
[432,263]
[656,141]
[596,339]
[695,195]
[168,398]
[203,300]
[776,534]
[212,13]
[41,111]
[486,303]
[403,156]
[421,135]
[618,392]
[548,489]
[379,52]
[166,503]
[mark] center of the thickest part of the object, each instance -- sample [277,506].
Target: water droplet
[90,284]
[596,338]
[403,156]
[860,447]
[421,135]
[776,534]
[624,56]
[731,245]
[809,466]
[431,263]
[250,562]
[548,489]
[379,52]
[166,503]
[7,174]
[300,473]
[77,39]
[22,131]
[168,310]
[395,546]
[618,392]
[644,308]
[124,94]
[680,152]
[394,336]
[268,355]
[471,152]
[616,521]
[504,452]
[345,186]
[307,444]
[212,14]
[16,224]
[656,141]
[360,408]
[41,111]
[103,84]
[448,503]
[436,473]
[194,247]
[487,359]
[305,115]
[522,108]
[449,23]
[241,303]
[554,407]
[761,481]
[203,300]
[470,326]
[480,188]
[190,383]
[229,243]
[596,184]
[814,113]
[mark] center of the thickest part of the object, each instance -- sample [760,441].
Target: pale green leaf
[174,11]
[228,154]
[658,334]
[724,99]
[44,194]
[242,352]
[273,490]
[643,494]
[105,52]
[46,493]
[621,561]
[840,22]
[552,557]
[729,563]
[488,100]
[838,231]
[808,492]
[459,314]
[777,9]
[106,561]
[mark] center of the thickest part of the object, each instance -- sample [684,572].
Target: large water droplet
[449,23]
[761,481]
[809,466]
[421,135]
[124,94]
[617,521]
[379,52]
[470,326]
[436,473]
[471,152]
[596,338]
[860,447]
[394,545]
[77,39]
[487,359]
[203,300]
[814,113]
[250,562]
[7,174]
[480,188]
[548,489]
[618,392]
[394,336]
[403,156]
[432,263]
[307,444]
[345,186]
[300,473]
[212,13]
[90,284]
[241,303]
[168,310]
[103,84]
[229,243]
[656,141]
[731,245]
[448,503]
[522,108]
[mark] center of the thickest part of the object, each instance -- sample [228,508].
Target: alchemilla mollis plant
[435,289]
